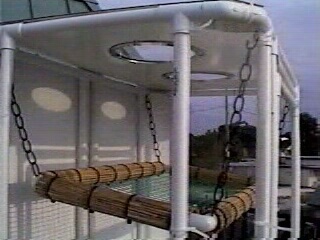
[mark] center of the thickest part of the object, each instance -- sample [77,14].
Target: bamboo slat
[210,176]
[134,207]
[231,208]
[122,172]
[105,200]
[108,174]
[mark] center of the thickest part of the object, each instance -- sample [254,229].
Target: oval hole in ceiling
[148,51]
[114,110]
[202,76]
[199,76]
[51,99]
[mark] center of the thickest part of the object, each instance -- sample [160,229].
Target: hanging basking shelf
[79,187]
[122,172]
[87,188]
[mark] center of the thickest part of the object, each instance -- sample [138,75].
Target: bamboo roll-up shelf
[210,176]
[130,206]
[108,174]
[231,208]
[122,172]
[105,200]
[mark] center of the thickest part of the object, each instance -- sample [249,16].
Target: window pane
[94,6]
[45,8]
[78,7]
[15,10]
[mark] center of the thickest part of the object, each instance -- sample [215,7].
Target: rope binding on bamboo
[49,185]
[94,187]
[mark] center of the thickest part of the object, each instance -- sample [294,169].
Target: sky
[296,24]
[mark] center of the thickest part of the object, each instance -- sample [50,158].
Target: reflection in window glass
[13,10]
[45,8]
[77,7]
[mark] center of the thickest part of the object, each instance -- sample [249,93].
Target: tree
[308,133]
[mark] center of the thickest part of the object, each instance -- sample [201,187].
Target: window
[13,10]
[46,8]
[17,10]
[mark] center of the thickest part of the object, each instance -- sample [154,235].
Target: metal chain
[23,134]
[282,123]
[245,74]
[152,127]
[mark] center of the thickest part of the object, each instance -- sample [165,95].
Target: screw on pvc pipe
[260,223]
[175,81]
[196,231]
[282,123]
[179,234]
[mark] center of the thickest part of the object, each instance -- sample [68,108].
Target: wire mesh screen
[158,188]
[201,197]
[155,187]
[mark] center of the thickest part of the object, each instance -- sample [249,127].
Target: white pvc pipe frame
[291,92]
[231,11]
[7,48]
[296,169]
[180,125]
[263,149]
[275,118]
[283,78]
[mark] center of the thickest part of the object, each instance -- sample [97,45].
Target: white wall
[63,137]
[53,135]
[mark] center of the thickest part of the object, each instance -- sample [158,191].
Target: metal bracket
[277,58]
[193,230]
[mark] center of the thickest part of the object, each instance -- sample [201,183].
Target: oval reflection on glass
[114,110]
[51,99]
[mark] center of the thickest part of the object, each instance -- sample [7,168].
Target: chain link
[23,134]
[282,123]
[152,127]
[245,74]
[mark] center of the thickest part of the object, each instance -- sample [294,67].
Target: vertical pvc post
[139,135]
[227,117]
[82,229]
[276,94]
[296,171]
[263,154]
[6,78]
[180,124]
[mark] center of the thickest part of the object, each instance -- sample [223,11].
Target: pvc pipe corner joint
[234,11]
[203,223]
[181,23]
[6,41]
